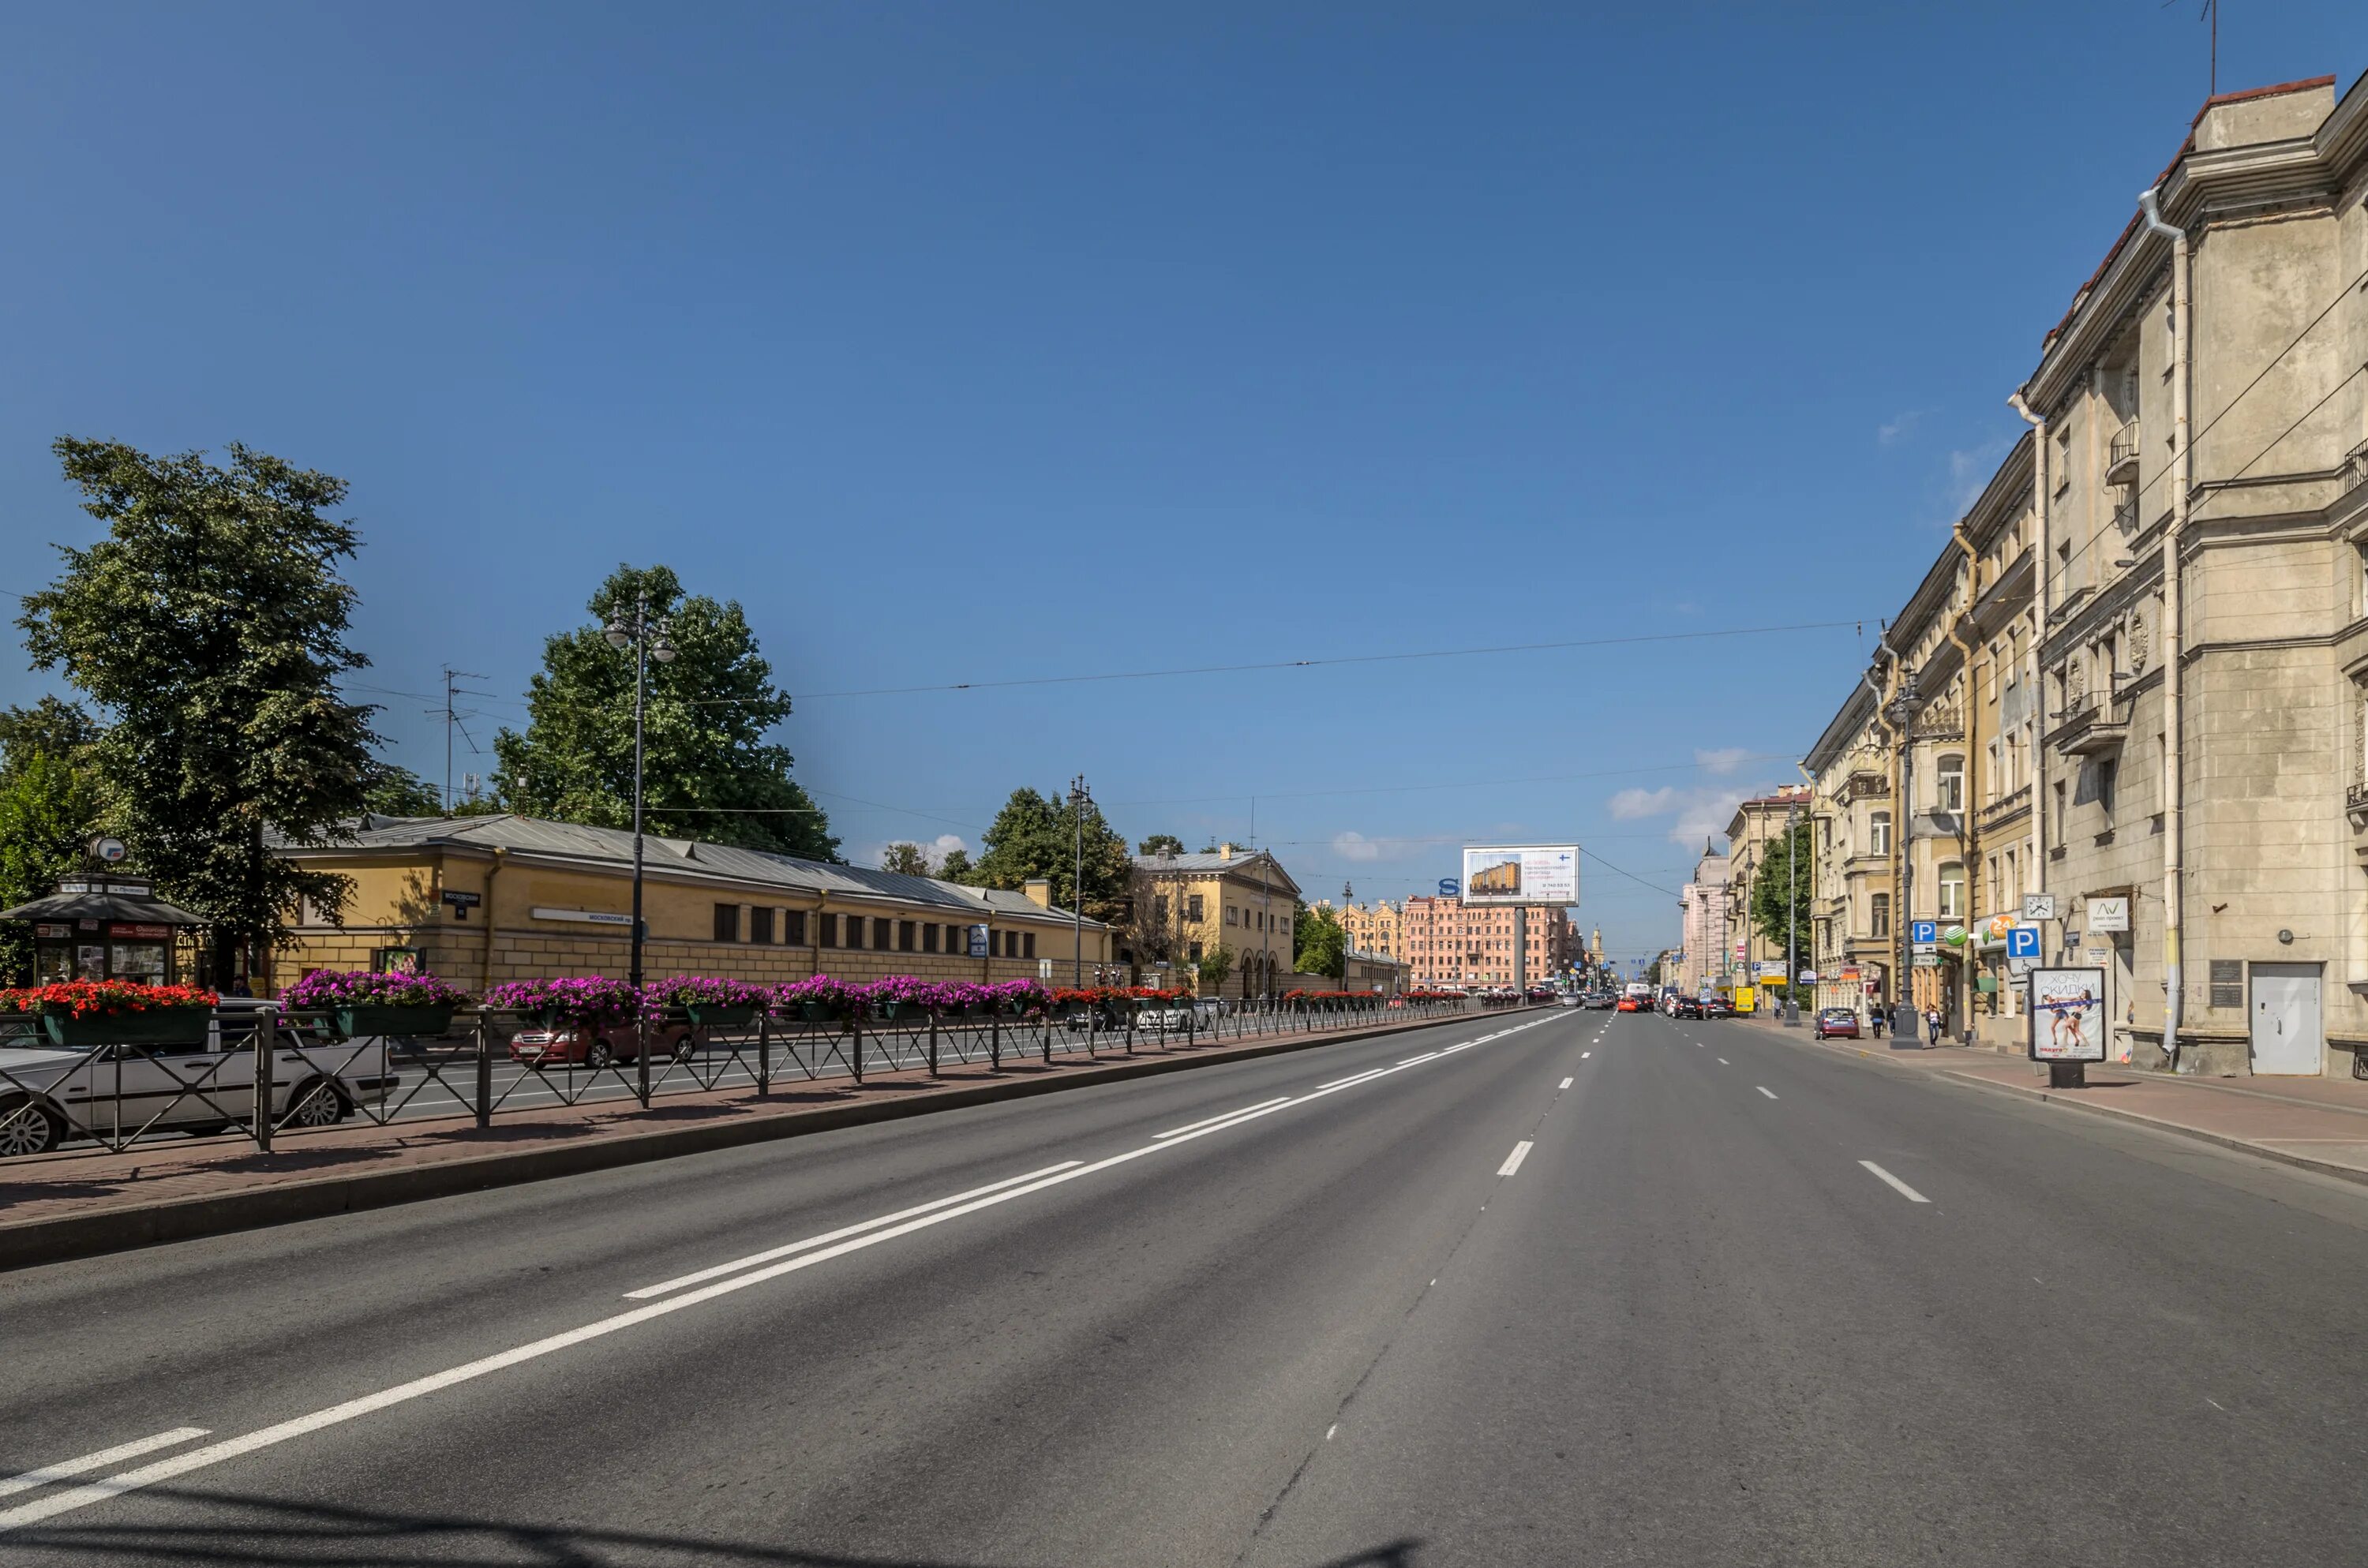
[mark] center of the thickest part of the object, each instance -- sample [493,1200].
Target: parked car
[589,1045]
[50,1094]
[1687,1007]
[1836,1022]
[1170,1020]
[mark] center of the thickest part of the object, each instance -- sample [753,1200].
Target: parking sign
[1923,931]
[2022,942]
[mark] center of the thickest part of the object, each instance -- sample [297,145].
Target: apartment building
[1380,930]
[1230,898]
[1756,825]
[1450,944]
[1704,960]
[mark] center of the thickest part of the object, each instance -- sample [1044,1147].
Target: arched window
[1878,834]
[1952,786]
[1953,892]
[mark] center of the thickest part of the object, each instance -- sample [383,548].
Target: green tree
[392,792]
[1035,835]
[908,859]
[1318,943]
[956,867]
[708,772]
[1160,843]
[1785,885]
[1215,964]
[50,807]
[210,629]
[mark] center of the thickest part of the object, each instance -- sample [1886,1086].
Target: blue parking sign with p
[2022,941]
[1923,931]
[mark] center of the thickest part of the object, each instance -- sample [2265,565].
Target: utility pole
[1902,713]
[648,640]
[1792,920]
[1079,799]
[452,719]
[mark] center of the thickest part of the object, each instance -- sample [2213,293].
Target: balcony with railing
[2095,722]
[2121,457]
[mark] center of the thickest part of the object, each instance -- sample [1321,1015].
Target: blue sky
[1002,342]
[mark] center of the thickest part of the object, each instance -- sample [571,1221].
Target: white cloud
[1897,429]
[1970,469]
[1630,804]
[946,844]
[1722,762]
[1357,847]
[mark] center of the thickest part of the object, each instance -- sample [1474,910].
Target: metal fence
[262,1072]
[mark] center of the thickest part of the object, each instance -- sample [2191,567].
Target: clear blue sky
[977,342]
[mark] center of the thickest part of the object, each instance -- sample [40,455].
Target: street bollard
[484,1072]
[764,1054]
[266,1043]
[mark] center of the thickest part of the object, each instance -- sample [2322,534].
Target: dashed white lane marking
[1352,1078]
[1212,1121]
[1329,1430]
[1513,1161]
[172,1466]
[1765,1090]
[1585,1054]
[1894,1182]
[1567,1083]
[105,1457]
[1725,1063]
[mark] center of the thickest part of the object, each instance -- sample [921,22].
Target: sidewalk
[76,1205]
[2320,1124]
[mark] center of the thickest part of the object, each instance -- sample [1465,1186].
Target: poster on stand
[2067,1015]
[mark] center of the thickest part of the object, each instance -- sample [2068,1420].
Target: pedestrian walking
[1874,1020]
[1932,1022]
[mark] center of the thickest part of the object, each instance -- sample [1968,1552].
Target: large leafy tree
[1785,885]
[395,791]
[708,770]
[1036,835]
[50,806]
[1319,944]
[906,857]
[209,628]
[1161,844]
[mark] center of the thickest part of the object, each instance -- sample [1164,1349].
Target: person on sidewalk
[1932,1023]
[1875,1019]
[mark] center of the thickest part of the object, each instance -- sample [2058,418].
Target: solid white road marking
[1353,1078]
[1228,1116]
[1567,1083]
[1513,1161]
[75,1497]
[1329,1430]
[1896,1185]
[1725,1063]
[1765,1090]
[1585,1054]
[753,1259]
[88,1462]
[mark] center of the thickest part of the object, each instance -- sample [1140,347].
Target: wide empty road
[1547,1287]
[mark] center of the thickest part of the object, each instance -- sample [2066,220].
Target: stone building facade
[1705,958]
[1450,944]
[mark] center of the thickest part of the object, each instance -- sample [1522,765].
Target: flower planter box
[352,1023]
[898,1007]
[819,1012]
[154,1025]
[710,1016]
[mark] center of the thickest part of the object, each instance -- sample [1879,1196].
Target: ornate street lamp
[1901,710]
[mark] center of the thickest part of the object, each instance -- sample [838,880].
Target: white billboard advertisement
[2067,1015]
[1522,874]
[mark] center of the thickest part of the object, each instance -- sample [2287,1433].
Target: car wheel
[321,1106]
[683,1048]
[28,1127]
[599,1054]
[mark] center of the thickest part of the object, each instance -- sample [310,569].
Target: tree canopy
[50,806]
[708,770]
[907,857]
[210,629]
[1035,835]
[1776,890]
[1319,944]
[1160,843]
[394,792]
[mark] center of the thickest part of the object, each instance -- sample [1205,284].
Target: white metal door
[2285,1019]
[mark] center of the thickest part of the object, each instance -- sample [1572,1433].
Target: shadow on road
[265,1532]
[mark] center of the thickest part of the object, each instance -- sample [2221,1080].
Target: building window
[1196,952]
[906,931]
[855,931]
[1231,914]
[929,937]
[2107,774]
[1950,789]
[1878,834]
[1953,892]
[881,933]
[727,922]
[1159,911]
[760,925]
[1878,920]
[829,931]
[1028,944]
[1193,909]
[796,920]
[1011,944]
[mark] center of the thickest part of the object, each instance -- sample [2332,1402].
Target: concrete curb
[62,1237]
[2344,1173]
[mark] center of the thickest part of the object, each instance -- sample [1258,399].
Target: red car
[1630,1004]
[582,1045]
[1836,1023]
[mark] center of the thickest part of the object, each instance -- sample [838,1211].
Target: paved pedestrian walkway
[2321,1123]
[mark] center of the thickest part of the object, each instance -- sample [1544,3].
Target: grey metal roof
[103,906]
[1211,861]
[674,857]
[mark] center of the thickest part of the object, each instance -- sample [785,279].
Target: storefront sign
[2068,1014]
[2107,914]
[125,931]
[978,941]
[53,933]
[584,916]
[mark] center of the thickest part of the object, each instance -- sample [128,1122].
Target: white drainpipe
[2173,643]
[2036,876]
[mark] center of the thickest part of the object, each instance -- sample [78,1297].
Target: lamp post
[1792,920]
[1901,712]
[1079,799]
[647,638]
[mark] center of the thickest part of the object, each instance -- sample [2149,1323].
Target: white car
[1170,1020]
[50,1095]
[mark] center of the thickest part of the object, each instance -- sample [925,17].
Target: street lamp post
[1901,712]
[1791,921]
[1079,799]
[647,638]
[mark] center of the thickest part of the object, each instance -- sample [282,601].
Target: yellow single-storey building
[480,899]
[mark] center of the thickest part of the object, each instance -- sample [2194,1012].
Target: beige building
[486,898]
[1380,930]
[1706,959]
[1450,944]
[1230,897]
[2166,728]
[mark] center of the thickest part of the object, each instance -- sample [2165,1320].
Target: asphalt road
[1684,1308]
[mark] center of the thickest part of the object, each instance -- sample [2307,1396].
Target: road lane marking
[1228,1116]
[1567,1083]
[1896,1185]
[99,1460]
[1725,1063]
[701,1276]
[1353,1078]
[1425,1056]
[1765,1090]
[1329,1430]
[1513,1161]
[73,1498]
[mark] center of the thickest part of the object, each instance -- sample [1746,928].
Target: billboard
[1522,874]
[2067,1015]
